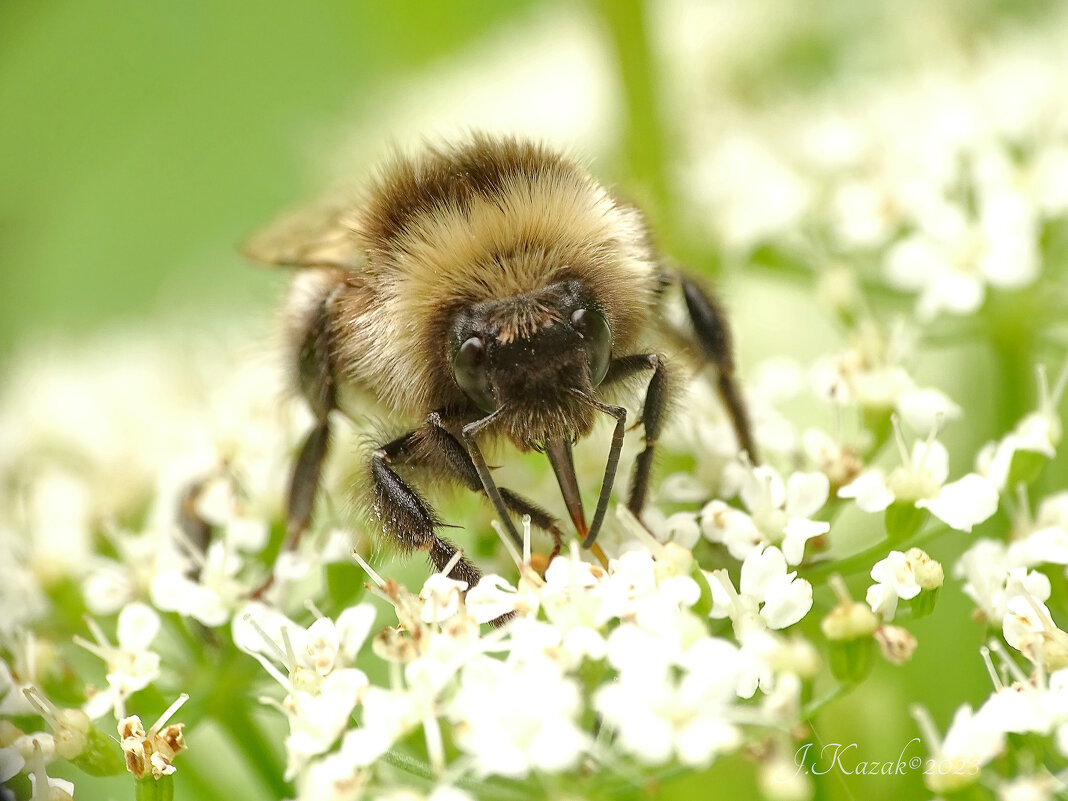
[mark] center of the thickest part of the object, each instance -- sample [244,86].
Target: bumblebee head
[525,354]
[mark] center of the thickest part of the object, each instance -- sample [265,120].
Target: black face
[530,349]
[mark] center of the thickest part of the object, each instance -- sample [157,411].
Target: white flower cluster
[625,643]
[940,177]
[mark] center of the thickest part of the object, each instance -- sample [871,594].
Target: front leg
[434,447]
[407,519]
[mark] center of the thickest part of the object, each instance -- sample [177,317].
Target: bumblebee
[486,288]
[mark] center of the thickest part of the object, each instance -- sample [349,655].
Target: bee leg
[459,464]
[436,448]
[652,417]
[320,390]
[407,518]
[713,335]
[304,482]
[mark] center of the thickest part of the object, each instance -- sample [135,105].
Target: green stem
[813,708]
[863,560]
[485,789]
[254,746]
[152,789]
[645,141]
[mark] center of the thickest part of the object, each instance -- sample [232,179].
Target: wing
[320,236]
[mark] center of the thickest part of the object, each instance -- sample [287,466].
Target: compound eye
[469,367]
[596,339]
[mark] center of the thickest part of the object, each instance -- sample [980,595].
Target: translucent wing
[320,236]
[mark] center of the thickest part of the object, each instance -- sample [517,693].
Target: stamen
[724,580]
[97,632]
[30,653]
[1023,510]
[92,648]
[159,724]
[841,591]
[41,787]
[995,679]
[1008,662]
[267,639]
[377,579]
[1044,396]
[435,748]
[273,702]
[927,728]
[1058,389]
[453,562]
[509,545]
[634,526]
[899,438]
[290,660]
[931,435]
[45,708]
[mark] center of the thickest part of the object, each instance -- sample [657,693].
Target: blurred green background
[141,142]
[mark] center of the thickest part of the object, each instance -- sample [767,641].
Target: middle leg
[651,418]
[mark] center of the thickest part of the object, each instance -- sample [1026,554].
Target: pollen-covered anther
[152,751]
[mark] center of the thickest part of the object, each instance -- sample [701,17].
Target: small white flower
[1029,628]
[131,666]
[518,716]
[778,513]
[994,573]
[894,579]
[331,778]
[870,375]
[972,739]
[1038,432]
[950,265]
[768,593]
[322,690]
[441,597]
[152,751]
[657,715]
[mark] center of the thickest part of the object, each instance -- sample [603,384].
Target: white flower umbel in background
[217,590]
[920,481]
[951,259]
[871,375]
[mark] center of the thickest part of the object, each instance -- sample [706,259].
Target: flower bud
[849,628]
[99,756]
[849,621]
[9,732]
[896,643]
[928,572]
